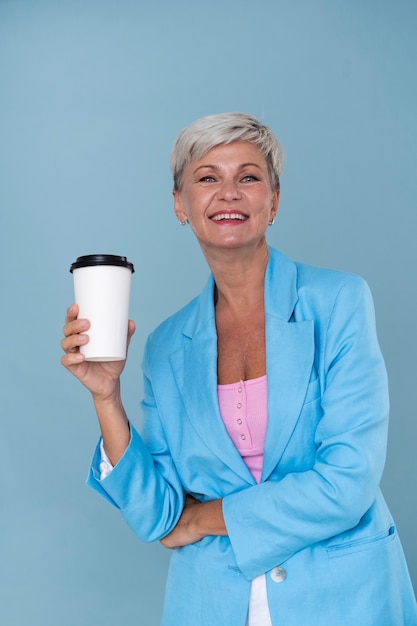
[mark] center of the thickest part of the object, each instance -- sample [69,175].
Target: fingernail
[83,324]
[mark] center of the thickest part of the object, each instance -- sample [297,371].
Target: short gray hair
[213,130]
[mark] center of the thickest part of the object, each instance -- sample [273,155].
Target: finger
[71,359]
[70,317]
[72,313]
[131,329]
[73,342]
[75,326]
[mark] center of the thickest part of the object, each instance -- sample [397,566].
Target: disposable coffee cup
[102,292]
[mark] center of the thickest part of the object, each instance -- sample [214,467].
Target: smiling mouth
[219,217]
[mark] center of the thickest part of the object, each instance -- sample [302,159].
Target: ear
[274,205]
[179,207]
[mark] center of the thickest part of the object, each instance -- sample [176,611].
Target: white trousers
[258,613]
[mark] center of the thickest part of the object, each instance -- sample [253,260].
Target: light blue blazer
[317,524]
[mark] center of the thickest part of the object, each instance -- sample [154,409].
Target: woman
[265,417]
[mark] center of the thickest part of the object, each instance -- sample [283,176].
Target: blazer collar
[280,285]
[280,293]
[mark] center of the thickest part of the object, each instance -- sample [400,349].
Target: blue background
[92,95]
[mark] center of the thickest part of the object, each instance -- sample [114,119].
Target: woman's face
[227,197]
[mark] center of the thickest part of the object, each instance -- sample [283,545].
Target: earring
[271,222]
[184,222]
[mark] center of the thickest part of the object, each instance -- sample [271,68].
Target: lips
[226,216]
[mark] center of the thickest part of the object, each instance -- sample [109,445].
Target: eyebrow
[216,168]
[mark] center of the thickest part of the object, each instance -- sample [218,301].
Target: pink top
[244,410]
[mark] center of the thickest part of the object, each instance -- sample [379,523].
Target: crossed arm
[197,520]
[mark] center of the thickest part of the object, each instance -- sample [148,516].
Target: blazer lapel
[289,357]
[195,370]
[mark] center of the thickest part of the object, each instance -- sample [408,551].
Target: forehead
[236,154]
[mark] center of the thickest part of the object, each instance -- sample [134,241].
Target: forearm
[208,519]
[198,520]
[114,425]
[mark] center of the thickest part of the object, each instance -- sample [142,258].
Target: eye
[249,178]
[206,179]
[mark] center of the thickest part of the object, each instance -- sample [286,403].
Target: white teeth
[228,216]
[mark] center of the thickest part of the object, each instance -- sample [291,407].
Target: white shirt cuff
[105,465]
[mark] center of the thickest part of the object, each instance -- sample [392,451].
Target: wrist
[108,400]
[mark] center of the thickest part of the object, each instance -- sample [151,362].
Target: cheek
[196,202]
[265,203]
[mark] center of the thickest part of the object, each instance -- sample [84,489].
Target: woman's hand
[198,520]
[100,378]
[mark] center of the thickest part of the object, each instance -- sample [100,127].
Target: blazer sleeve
[144,485]
[269,522]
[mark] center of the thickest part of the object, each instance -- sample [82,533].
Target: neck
[239,275]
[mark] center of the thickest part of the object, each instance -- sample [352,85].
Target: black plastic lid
[101,259]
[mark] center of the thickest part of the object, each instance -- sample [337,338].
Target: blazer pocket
[364,543]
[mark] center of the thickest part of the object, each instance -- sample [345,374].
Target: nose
[229,190]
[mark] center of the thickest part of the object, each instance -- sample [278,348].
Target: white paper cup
[102,292]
